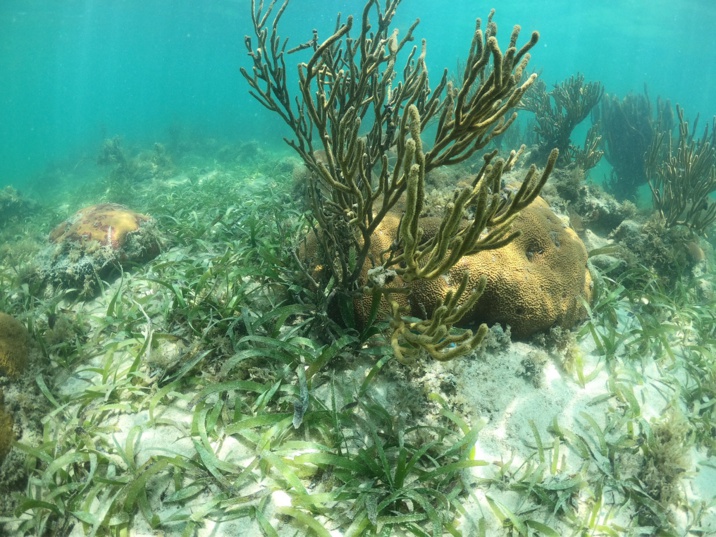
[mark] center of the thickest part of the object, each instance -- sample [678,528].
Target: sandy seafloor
[509,389]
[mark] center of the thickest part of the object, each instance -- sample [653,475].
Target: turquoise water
[76,72]
[208,334]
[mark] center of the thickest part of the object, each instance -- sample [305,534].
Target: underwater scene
[357,267]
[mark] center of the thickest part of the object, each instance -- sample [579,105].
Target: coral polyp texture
[95,242]
[536,281]
[14,346]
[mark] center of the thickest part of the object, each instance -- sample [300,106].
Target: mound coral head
[537,281]
[106,224]
[95,242]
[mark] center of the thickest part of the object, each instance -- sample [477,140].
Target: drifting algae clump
[667,450]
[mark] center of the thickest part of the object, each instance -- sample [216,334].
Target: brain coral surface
[107,223]
[538,280]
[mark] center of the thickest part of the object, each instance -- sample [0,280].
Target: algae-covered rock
[14,342]
[14,207]
[7,436]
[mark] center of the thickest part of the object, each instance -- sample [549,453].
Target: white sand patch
[514,392]
[701,490]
